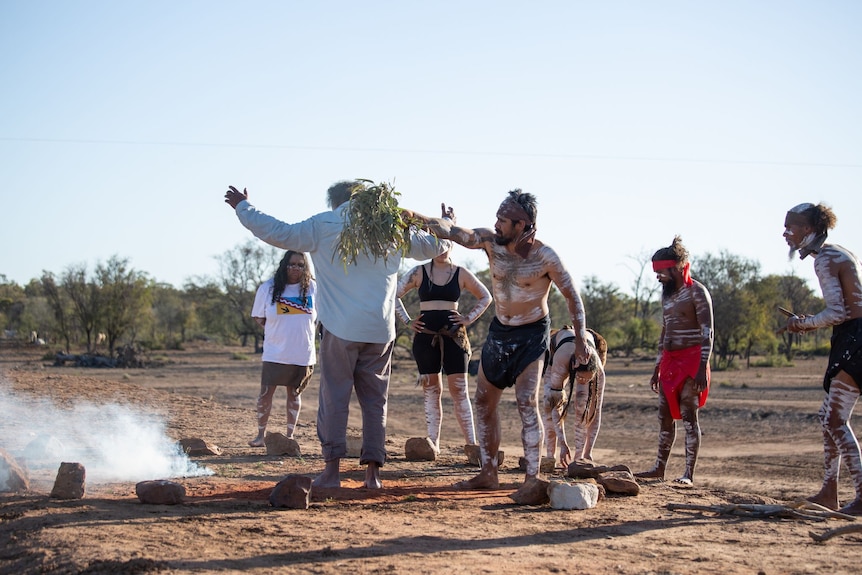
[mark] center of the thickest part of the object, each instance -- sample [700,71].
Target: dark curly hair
[820,217]
[675,251]
[280,278]
[527,201]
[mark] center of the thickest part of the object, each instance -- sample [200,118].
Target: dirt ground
[761,444]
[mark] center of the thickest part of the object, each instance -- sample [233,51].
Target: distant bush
[772,361]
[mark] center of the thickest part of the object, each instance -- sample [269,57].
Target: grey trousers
[345,366]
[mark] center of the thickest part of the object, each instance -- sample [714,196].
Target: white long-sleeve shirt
[356,303]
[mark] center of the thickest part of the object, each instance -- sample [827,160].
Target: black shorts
[429,357]
[510,349]
[846,352]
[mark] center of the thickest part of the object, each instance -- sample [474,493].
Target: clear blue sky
[123,122]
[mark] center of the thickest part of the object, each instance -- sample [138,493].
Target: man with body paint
[522,271]
[681,375]
[840,275]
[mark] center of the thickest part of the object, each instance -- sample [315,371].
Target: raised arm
[445,227]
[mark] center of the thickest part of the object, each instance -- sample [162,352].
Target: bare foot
[481,481]
[654,473]
[829,501]
[330,476]
[372,477]
[852,508]
[326,482]
[257,442]
[533,491]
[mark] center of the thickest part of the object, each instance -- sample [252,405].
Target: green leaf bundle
[374,224]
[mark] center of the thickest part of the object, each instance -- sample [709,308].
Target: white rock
[573,496]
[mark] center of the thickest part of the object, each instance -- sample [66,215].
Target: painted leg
[488,429]
[839,442]
[532,434]
[294,404]
[688,403]
[846,439]
[264,408]
[666,437]
[432,389]
[548,411]
[459,391]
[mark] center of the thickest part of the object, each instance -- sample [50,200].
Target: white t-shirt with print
[290,324]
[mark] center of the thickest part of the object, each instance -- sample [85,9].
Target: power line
[420,151]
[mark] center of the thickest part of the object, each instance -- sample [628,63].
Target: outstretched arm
[445,227]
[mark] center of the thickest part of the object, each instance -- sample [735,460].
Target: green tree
[173,314]
[61,307]
[606,309]
[241,270]
[737,318]
[12,305]
[123,296]
[85,298]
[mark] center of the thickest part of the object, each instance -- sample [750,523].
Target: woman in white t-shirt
[284,306]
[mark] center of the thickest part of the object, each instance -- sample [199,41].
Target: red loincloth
[675,368]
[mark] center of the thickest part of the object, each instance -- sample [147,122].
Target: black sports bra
[429,291]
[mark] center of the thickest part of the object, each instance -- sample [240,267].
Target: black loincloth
[846,352]
[509,349]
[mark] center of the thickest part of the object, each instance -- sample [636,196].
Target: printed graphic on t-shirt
[294,305]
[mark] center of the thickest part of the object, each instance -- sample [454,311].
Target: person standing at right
[840,274]
[681,376]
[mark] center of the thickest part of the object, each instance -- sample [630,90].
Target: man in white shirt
[356,308]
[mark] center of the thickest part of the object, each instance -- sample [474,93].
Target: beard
[501,240]
[668,288]
[791,251]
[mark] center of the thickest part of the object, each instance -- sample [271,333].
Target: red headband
[665,264]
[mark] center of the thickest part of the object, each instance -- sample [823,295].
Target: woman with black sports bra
[440,338]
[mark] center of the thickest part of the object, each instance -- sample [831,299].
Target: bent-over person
[576,389]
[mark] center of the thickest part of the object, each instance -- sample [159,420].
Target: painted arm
[472,284]
[827,266]
[445,228]
[703,311]
[653,382]
[561,278]
[407,282]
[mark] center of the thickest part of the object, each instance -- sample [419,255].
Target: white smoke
[113,442]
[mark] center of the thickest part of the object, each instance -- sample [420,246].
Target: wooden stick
[835,532]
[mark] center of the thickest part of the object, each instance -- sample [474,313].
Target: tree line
[115,304]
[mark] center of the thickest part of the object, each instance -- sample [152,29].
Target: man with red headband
[840,274]
[522,271]
[681,376]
